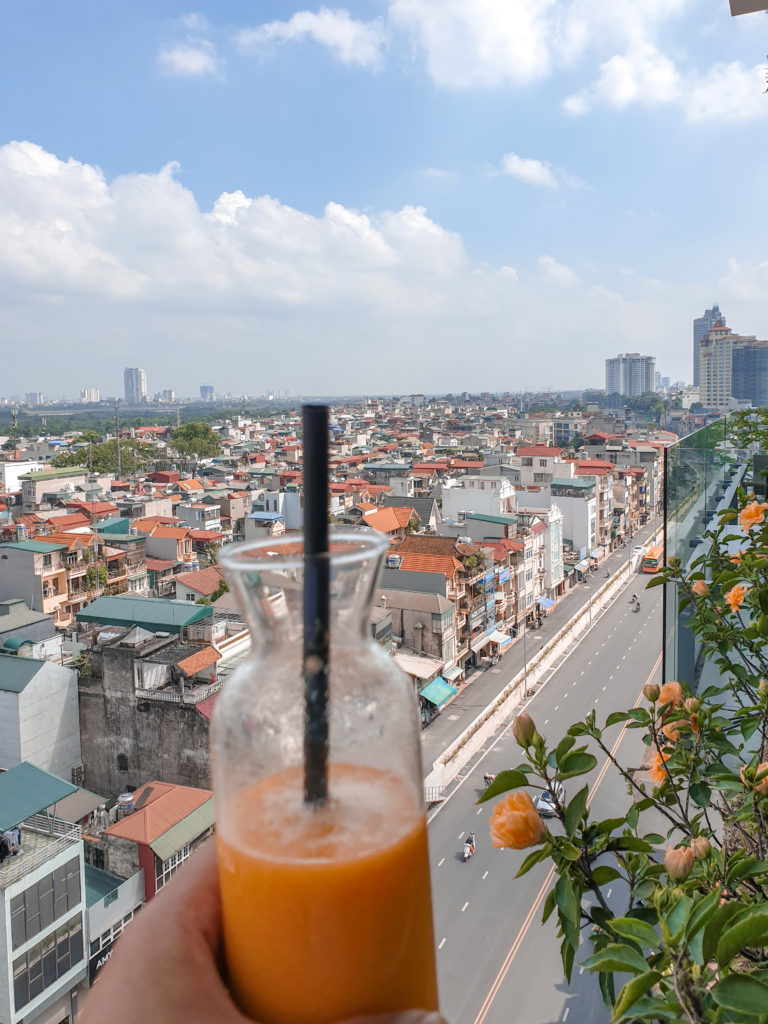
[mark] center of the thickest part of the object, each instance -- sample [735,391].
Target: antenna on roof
[117,435]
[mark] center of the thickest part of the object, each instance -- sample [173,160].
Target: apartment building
[483,494]
[42,897]
[36,573]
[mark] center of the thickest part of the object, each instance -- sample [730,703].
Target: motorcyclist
[471,841]
[637,606]
[634,598]
[488,778]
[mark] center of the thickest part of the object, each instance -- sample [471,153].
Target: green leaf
[702,912]
[700,793]
[617,956]
[742,993]
[510,778]
[633,814]
[677,918]
[715,926]
[531,860]
[575,811]
[567,952]
[563,747]
[748,930]
[615,717]
[576,763]
[578,729]
[604,873]
[549,906]
[632,991]
[631,843]
[569,851]
[640,931]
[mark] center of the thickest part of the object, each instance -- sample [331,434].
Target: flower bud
[651,692]
[692,704]
[762,687]
[671,693]
[700,846]
[678,860]
[700,587]
[524,729]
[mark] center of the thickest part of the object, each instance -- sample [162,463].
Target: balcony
[41,839]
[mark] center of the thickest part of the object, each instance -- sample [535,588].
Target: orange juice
[327,912]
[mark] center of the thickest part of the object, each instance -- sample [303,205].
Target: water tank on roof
[21,531]
[125,805]
[464,540]
[133,531]
[394,561]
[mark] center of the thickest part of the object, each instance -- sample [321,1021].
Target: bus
[653,559]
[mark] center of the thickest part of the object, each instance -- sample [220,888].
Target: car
[545,803]
[638,549]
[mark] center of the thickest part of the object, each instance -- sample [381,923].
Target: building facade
[135,382]
[630,374]
[702,325]
[750,372]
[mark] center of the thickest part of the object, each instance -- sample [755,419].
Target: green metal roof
[503,520]
[152,613]
[26,790]
[53,474]
[99,884]
[37,546]
[184,831]
[13,643]
[438,692]
[574,483]
[15,672]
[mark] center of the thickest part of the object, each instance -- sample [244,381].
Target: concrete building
[12,472]
[42,901]
[716,365]
[39,716]
[36,573]
[576,498]
[90,396]
[750,372]
[630,374]
[49,487]
[135,381]
[484,494]
[207,393]
[702,325]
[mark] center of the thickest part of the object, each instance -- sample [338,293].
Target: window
[111,933]
[165,869]
[35,909]
[529,575]
[543,462]
[46,561]
[47,961]
[122,763]
[190,597]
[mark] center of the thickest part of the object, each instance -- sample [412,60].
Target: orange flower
[657,771]
[678,860]
[694,723]
[752,514]
[700,846]
[515,823]
[671,732]
[762,785]
[671,693]
[736,559]
[700,587]
[735,596]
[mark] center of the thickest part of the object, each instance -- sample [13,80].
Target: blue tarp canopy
[452,674]
[582,566]
[438,692]
[545,602]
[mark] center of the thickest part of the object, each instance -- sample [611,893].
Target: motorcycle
[637,606]
[488,779]
[469,848]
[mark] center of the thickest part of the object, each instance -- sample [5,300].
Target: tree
[196,441]
[691,935]
[103,457]
[649,405]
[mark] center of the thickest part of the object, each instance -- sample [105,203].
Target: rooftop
[36,546]
[152,613]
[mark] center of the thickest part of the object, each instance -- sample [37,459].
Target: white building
[487,495]
[135,381]
[42,902]
[11,473]
[289,504]
[576,497]
[630,375]
[39,719]
[36,573]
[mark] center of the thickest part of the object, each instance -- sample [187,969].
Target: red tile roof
[201,659]
[165,807]
[542,450]
[445,564]
[203,581]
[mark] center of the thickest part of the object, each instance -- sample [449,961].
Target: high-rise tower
[702,325]
[135,385]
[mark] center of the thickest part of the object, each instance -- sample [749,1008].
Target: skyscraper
[716,365]
[750,372]
[135,381]
[630,374]
[702,325]
[207,392]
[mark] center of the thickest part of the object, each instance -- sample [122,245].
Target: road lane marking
[484,877]
[441,862]
[581,969]
[460,834]
[465,906]
[573,683]
[545,721]
[566,1011]
[605,688]
[524,928]
[596,699]
[443,943]
[608,894]
[557,707]
[479,810]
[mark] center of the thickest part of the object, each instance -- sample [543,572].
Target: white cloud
[558,272]
[350,41]
[346,301]
[644,76]
[189,60]
[194,22]
[486,42]
[532,172]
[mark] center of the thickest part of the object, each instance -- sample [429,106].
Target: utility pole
[117,436]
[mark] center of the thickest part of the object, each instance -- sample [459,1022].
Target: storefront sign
[97,962]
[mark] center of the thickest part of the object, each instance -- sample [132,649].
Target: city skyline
[378,192]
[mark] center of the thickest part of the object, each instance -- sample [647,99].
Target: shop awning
[480,643]
[582,566]
[597,553]
[438,692]
[545,602]
[500,638]
[452,673]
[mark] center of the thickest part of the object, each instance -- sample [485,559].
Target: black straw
[316,603]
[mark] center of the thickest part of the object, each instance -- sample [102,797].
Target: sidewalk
[482,686]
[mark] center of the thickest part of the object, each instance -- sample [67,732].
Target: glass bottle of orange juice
[326,909]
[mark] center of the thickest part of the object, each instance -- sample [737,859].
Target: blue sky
[389,196]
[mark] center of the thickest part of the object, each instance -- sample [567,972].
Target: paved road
[496,962]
